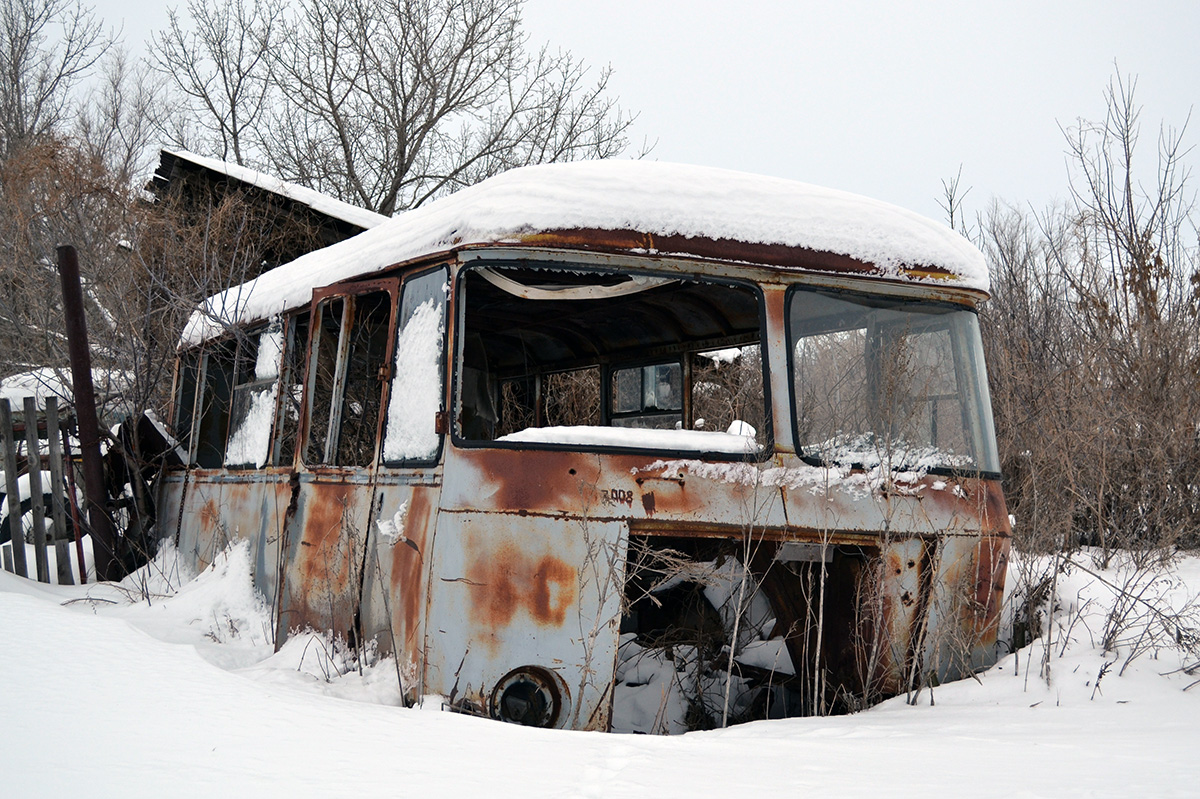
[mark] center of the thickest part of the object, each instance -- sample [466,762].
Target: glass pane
[662,387]
[517,411]
[658,421]
[627,391]
[214,414]
[883,381]
[185,400]
[252,422]
[253,415]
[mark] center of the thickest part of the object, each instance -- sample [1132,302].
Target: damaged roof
[173,164]
[639,207]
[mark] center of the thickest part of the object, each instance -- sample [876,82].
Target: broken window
[350,345]
[727,389]
[292,377]
[254,398]
[560,355]
[880,380]
[218,377]
[185,396]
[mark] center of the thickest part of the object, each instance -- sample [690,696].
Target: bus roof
[638,207]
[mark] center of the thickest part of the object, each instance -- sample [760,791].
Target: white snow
[167,685]
[652,198]
[313,199]
[416,398]
[391,531]
[45,382]
[639,438]
[251,441]
[270,351]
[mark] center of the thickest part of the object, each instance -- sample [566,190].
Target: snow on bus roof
[649,197]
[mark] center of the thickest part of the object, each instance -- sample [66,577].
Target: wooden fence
[43,433]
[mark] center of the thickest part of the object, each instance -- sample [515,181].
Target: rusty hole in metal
[529,696]
[671,620]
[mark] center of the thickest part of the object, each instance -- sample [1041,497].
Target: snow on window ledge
[635,438]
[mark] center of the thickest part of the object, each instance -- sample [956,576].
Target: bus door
[408,483]
[350,348]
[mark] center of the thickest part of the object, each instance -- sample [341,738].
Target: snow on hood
[654,198]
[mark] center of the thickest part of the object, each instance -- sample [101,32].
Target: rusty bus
[625,446]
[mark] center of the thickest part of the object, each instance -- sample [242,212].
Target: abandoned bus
[617,445]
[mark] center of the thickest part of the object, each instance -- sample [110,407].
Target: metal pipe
[108,567]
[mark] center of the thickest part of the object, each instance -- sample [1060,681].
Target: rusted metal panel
[607,487]
[323,555]
[510,591]
[727,250]
[219,507]
[396,583]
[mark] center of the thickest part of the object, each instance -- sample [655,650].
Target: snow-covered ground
[167,685]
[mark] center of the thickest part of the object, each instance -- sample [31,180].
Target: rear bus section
[574,481]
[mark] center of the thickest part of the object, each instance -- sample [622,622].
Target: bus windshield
[888,382]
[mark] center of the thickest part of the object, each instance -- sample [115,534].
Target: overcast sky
[881,98]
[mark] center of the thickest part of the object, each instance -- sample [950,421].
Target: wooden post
[72,494]
[54,450]
[33,452]
[9,454]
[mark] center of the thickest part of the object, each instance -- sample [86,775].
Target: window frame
[684,354]
[398,305]
[348,293]
[984,423]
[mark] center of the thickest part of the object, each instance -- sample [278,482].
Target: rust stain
[507,580]
[991,564]
[407,569]
[648,503]
[325,561]
[727,250]
[210,515]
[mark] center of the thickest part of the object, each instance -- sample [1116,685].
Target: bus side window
[218,380]
[349,352]
[292,388]
[254,398]
[185,397]
[418,390]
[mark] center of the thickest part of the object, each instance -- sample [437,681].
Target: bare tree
[1094,346]
[222,66]
[46,47]
[114,126]
[385,104]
